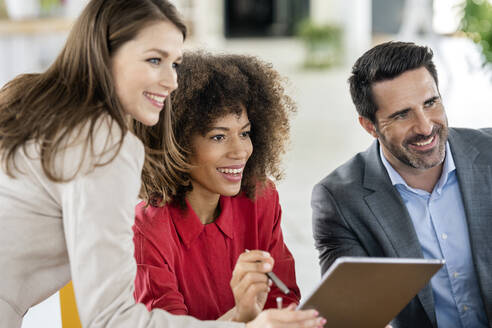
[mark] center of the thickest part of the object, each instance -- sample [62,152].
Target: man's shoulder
[480,139]
[483,133]
[348,175]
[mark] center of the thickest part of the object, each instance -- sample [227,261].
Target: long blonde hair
[77,89]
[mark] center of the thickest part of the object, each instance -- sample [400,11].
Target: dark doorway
[263,18]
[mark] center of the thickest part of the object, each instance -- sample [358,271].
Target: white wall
[47,314]
[354,16]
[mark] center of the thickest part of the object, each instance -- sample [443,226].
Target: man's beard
[415,159]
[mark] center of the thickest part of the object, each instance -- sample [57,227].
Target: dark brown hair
[212,86]
[385,62]
[77,89]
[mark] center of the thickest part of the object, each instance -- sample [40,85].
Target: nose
[240,148]
[169,79]
[423,123]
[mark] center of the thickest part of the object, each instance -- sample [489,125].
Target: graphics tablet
[368,292]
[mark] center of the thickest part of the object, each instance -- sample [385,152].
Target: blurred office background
[312,43]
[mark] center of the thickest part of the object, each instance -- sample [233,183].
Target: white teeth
[230,171]
[159,99]
[425,142]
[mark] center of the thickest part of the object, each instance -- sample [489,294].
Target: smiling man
[421,190]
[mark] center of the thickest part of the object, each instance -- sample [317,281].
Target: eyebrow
[432,99]
[395,114]
[406,110]
[227,129]
[163,53]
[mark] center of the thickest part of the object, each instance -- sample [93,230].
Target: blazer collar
[392,217]
[464,152]
[388,207]
[189,226]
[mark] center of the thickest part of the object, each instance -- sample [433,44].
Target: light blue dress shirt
[440,223]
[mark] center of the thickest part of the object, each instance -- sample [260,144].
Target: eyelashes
[157,61]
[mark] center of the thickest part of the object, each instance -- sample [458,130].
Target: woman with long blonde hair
[71,170]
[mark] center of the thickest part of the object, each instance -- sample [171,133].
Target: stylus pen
[279,302]
[279,283]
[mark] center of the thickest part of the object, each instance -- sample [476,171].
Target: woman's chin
[231,193]
[149,121]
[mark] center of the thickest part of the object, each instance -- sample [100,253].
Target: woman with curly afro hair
[231,121]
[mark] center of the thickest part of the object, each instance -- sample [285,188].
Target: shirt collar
[447,169]
[189,226]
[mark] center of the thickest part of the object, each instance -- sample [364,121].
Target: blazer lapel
[475,180]
[389,210]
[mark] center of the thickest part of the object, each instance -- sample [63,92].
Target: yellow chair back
[69,314]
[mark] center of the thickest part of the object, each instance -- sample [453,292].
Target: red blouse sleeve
[284,266]
[155,284]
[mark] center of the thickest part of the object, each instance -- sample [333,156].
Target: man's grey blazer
[358,212]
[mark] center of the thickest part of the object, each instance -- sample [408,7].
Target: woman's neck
[206,207]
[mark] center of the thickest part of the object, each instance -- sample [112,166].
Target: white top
[80,230]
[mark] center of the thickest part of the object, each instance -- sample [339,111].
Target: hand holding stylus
[250,284]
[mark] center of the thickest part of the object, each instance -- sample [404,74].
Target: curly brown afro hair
[213,86]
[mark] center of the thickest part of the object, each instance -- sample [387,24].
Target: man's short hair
[385,62]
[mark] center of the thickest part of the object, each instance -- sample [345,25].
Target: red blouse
[185,267]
